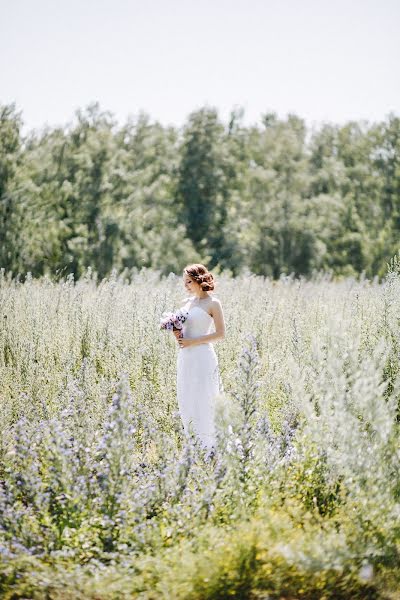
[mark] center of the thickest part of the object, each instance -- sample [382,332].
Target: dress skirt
[198,384]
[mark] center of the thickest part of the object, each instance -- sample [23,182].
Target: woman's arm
[205,338]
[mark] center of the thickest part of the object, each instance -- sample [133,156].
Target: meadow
[103,497]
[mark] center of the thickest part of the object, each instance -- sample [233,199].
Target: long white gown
[198,378]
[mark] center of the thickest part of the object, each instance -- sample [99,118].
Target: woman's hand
[185,342]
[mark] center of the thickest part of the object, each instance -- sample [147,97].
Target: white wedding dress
[198,378]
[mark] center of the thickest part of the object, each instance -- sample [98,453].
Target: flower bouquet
[174,321]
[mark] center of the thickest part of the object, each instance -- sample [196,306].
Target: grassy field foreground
[102,497]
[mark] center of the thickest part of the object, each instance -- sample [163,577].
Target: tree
[11,212]
[202,187]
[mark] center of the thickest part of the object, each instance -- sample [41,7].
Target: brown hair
[201,275]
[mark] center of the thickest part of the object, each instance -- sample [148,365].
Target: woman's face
[190,285]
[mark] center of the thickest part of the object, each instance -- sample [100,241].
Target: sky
[324,60]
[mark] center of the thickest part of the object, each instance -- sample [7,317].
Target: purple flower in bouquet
[174,320]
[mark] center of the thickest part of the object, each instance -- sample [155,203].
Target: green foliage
[272,198]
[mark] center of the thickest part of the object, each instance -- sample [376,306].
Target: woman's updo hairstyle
[201,275]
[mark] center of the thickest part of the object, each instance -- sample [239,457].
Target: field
[102,496]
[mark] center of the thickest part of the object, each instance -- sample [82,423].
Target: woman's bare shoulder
[215,301]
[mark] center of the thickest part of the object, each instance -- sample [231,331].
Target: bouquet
[173,321]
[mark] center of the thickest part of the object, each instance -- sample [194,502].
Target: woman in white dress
[198,377]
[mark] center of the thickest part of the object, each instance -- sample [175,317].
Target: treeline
[270,198]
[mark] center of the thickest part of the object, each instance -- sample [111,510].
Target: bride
[198,377]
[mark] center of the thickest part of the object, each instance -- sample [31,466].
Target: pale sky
[325,60]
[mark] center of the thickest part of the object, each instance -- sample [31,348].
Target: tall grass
[103,496]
